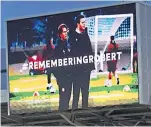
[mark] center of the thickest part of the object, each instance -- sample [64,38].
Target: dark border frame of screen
[72,11]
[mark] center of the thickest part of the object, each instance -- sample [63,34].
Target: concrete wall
[143,20]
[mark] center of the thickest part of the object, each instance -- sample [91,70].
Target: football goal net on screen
[100,28]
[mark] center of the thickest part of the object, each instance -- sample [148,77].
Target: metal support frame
[126,115]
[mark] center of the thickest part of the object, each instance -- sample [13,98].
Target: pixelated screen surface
[73,60]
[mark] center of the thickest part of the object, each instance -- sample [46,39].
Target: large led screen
[80,59]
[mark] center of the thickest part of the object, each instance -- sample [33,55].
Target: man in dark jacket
[62,73]
[81,46]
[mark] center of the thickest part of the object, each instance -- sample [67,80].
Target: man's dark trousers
[65,87]
[81,82]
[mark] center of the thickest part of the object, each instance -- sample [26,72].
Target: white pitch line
[29,80]
[92,97]
[57,99]
[32,89]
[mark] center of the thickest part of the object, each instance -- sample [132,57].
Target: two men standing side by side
[77,76]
